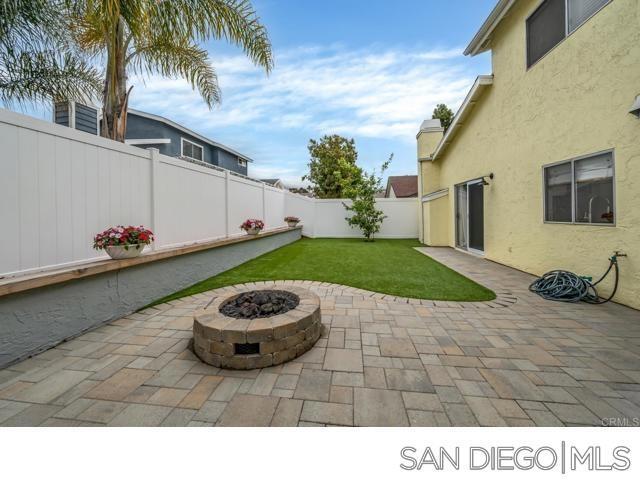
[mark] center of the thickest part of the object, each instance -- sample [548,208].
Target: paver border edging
[502,300]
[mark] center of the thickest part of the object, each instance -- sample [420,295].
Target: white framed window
[553,21]
[241,162]
[191,150]
[581,190]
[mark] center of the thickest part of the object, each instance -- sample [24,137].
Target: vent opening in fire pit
[260,304]
[246,348]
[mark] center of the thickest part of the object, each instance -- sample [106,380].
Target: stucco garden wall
[573,102]
[37,319]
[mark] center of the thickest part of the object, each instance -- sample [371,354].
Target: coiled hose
[563,286]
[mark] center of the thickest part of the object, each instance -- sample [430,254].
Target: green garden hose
[563,286]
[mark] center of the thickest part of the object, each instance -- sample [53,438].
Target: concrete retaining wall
[38,319]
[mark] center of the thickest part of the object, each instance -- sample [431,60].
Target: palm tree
[163,37]
[37,57]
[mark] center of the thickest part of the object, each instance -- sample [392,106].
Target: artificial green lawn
[386,266]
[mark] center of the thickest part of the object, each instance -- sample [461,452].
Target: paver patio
[382,361]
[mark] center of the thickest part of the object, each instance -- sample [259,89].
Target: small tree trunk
[115,95]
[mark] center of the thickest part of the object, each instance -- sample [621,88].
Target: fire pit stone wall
[244,344]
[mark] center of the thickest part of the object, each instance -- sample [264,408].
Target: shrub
[366,217]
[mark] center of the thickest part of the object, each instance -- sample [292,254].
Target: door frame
[468,249]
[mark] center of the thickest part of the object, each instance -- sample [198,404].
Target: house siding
[141,127]
[573,102]
[86,119]
[230,162]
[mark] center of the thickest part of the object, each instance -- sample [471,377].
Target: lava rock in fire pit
[260,304]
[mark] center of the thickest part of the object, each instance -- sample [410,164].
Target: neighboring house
[148,130]
[539,169]
[405,186]
[274,182]
[76,115]
[301,191]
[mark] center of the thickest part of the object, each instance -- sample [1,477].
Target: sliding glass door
[461,216]
[470,216]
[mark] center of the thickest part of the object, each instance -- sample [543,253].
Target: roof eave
[479,42]
[481,83]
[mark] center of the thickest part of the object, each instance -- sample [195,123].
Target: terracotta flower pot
[119,252]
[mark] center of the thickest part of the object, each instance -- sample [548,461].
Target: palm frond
[46,75]
[38,59]
[177,59]
[30,23]
[233,20]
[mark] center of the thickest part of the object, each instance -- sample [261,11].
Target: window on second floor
[192,150]
[241,162]
[553,20]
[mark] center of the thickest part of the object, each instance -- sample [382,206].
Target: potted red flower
[252,226]
[123,242]
[292,221]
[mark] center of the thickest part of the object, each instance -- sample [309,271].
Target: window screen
[581,10]
[594,189]
[557,186]
[546,27]
[191,150]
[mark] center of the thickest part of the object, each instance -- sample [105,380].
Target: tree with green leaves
[164,37]
[38,58]
[445,114]
[332,169]
[366,216]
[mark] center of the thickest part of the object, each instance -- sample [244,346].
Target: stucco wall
[39,319]
[436,213]
[573,102]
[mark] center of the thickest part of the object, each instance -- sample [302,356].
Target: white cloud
[366,92]
[376,93]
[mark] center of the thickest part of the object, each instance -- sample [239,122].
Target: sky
[369,70]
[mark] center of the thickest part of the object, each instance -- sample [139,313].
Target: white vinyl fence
[59,187]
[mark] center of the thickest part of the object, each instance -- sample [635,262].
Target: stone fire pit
[264,340]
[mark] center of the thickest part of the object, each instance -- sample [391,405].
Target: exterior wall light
[635,109]
[484,179]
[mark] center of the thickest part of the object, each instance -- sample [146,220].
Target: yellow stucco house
[540,168]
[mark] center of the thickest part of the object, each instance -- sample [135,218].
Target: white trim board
[147,141]
[481,83]
[429,197]
[479,42]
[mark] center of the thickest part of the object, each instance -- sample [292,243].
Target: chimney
[430,134]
